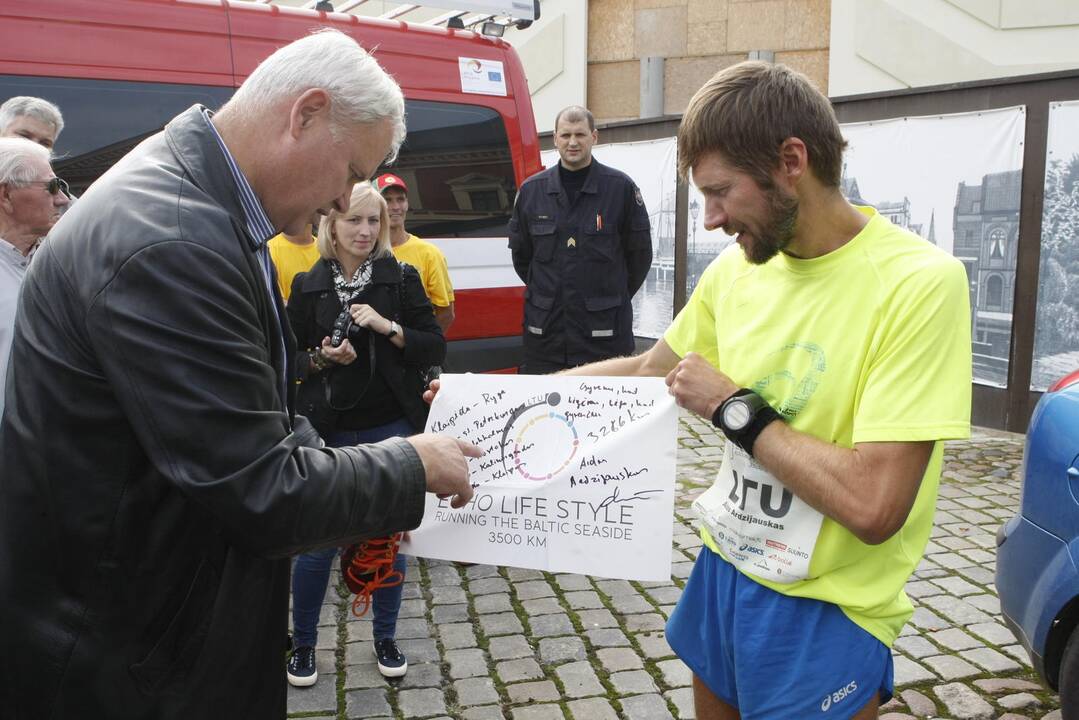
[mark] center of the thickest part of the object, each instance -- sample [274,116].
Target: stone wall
[697,38]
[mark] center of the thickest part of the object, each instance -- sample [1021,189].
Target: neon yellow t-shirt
[291,259]
[869,343]
[431,264]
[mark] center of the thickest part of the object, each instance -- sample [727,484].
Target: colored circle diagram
[545,442]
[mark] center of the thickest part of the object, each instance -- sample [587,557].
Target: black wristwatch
[743,416]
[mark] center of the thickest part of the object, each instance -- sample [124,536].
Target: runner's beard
[776,234]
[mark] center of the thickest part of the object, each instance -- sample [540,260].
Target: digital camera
[344,328]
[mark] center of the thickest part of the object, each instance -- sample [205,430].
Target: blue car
[1038,549]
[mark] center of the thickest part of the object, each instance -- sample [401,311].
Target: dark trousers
[311,572]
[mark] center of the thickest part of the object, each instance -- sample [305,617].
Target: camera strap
[326,379]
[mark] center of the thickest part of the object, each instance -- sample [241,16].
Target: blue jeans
[311,573]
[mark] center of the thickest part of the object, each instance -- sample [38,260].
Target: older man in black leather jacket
[154,478]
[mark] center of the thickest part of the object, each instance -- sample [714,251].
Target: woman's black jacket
[396,293]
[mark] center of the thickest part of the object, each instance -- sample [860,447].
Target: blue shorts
[772,656]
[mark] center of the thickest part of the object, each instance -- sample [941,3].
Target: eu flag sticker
[484,77]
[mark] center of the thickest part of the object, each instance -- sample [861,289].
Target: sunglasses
[53,185]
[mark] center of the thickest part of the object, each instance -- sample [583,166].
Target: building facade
[879,45]
[695,38]
[986,237]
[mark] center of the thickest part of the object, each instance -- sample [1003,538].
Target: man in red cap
[424,256]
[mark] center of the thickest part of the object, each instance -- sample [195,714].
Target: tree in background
[1057,317]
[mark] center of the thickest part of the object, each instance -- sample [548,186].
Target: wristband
[743,416]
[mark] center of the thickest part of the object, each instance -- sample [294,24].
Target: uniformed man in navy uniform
[581,243]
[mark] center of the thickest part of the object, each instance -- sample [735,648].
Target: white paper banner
[578,475]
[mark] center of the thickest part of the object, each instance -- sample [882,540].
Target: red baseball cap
[389,180]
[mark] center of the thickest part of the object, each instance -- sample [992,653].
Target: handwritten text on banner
[578,475]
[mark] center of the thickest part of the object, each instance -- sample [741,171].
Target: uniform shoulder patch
[637,196]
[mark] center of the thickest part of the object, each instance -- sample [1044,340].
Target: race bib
[762,527]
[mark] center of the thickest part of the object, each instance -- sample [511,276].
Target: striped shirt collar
[258,223]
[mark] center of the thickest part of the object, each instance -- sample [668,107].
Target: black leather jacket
[153,482]
[396,293]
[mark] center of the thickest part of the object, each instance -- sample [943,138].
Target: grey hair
[24,105]
[360,90]
[16,156]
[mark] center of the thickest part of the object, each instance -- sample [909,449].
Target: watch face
[736,415]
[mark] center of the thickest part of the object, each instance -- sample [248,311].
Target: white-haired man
[32,118]
[31,198]
[155,479]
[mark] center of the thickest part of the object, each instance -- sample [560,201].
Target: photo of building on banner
[577,475]
[1056,328]
[955,180]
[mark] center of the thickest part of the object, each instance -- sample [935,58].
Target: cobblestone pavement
[486,643]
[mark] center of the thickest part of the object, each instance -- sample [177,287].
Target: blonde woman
[364,390]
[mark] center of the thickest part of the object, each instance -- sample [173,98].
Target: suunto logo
[838,696]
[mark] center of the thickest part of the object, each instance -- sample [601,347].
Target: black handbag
[425,374]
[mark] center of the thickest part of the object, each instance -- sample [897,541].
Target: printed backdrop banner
[577,475]
[651,164]
[1056,327]
[956,181]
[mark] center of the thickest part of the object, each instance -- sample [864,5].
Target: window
[456,159]
[998,238]
[485,200]
[994,292]
[104,119]
[457,164]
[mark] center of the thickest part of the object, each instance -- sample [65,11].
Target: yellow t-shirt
[291,259]
[431,264]
[869,343]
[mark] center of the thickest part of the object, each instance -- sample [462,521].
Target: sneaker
[391,663]
[301,667]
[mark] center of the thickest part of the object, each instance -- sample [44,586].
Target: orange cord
[368,566]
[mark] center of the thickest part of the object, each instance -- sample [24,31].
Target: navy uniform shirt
[581,261]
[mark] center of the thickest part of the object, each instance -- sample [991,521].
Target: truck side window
[456,160]
[104,119]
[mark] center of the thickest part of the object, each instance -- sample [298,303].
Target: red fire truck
[120,69]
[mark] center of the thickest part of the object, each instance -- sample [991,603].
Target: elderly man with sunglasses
[31,200]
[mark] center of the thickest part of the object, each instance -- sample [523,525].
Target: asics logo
[750,549]
[838,696]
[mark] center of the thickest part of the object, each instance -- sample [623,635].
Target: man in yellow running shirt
[832,348]
[420,254]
